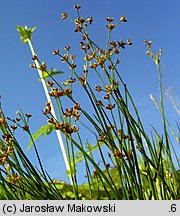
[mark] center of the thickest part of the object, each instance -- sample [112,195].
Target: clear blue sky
[154,20]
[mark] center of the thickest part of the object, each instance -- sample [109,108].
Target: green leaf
[25,33]
[52,72]
[44,130]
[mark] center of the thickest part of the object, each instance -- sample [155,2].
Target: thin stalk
[58,133]
[162,102]
[108,39]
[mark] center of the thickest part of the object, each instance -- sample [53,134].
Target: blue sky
[154,20]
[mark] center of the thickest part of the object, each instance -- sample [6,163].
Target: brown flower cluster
[90,56]
[73,112]
[102,137]
[56,93]
[108,89]
[14,178]
[100,57]
[2,121]
[82,80]
[79,22]
[110,25]
[66,128]
[110,107]
[47,109]
[6,145]
[149,52]
[120,155]
[6,149]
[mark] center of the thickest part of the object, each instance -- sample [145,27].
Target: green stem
[162,107]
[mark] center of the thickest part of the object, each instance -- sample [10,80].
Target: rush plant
[124,161]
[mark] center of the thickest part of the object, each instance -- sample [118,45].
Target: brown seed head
[109,19]
[77,106]
[100,60]
[64,15]
[98,88]
[2,121]
[107,96]
[3,160]
[56,93]
[76,115]
[57,126]
[123,19]
[28,115]
[35,57]
[43,67]
[93,65]
[78,29]
[129,42]
[50,121]
[56,52]
[82,79]
[109,88]
[72,66]
[25,128]
[15,178]
[117,61]
[47,110]
[50,83]
[79,21]
[68,91]
[71,80]
[102,137]
[116,50]
[64,58]
[90,20]
[118,154]
[65,83]
[33,65]
[99,103]
[121,44]
[72,57]
[67,48]
[113,44]
[110,26]
[111,67]
[13,127]
[8,138]
[17,112]
[110,106]
[77,6]
[17,119]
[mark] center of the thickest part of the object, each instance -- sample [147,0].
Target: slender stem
[163,111]
[108,39]
[52,108]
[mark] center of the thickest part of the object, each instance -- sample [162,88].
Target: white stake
[52,108]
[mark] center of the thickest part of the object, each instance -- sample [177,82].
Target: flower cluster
[149,52]
[7,149]
[64,126]
[56,93]
[73,112]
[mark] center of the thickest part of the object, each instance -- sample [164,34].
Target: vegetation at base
[131,164]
